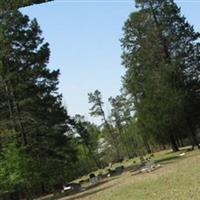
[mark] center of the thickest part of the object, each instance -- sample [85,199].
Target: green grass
[177,179]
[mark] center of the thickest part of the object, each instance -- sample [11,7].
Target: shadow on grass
[165,160]
[88,193]
[162,161]
[133,168]
[180,151]
[102,182]
[173,158]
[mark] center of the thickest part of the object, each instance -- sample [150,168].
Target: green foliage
[31,109]
[121,114]
[89,135]
[42,147]
[97,108]
[97,111]
[134,140]
[11,168]
[160,55]
[15,4]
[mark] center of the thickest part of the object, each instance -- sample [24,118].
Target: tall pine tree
[162,62]
[31,107]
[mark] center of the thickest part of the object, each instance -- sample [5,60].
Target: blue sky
[84,40]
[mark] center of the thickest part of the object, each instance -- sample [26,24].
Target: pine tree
[15,4]
[120,117]
[97,111]
[160,55]
[31,107]
[87,132]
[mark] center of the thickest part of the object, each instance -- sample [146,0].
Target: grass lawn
[177,179]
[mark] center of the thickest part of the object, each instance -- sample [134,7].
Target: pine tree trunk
[177,141]
[10,107]
[193,136]
[173,143]
[98,164]
[147,146]
[43,190]
[125,146]
[18,112]
[112,136]
[181,142]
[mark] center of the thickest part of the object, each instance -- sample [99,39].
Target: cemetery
[144,180]
[99,100]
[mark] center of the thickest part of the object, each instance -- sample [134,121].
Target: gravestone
[72,188]
[93,179]
[117,171]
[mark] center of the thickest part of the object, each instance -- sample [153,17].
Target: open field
[177,179]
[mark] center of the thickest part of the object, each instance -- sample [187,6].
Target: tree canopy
[161,56]
[15,4]
[42,147]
